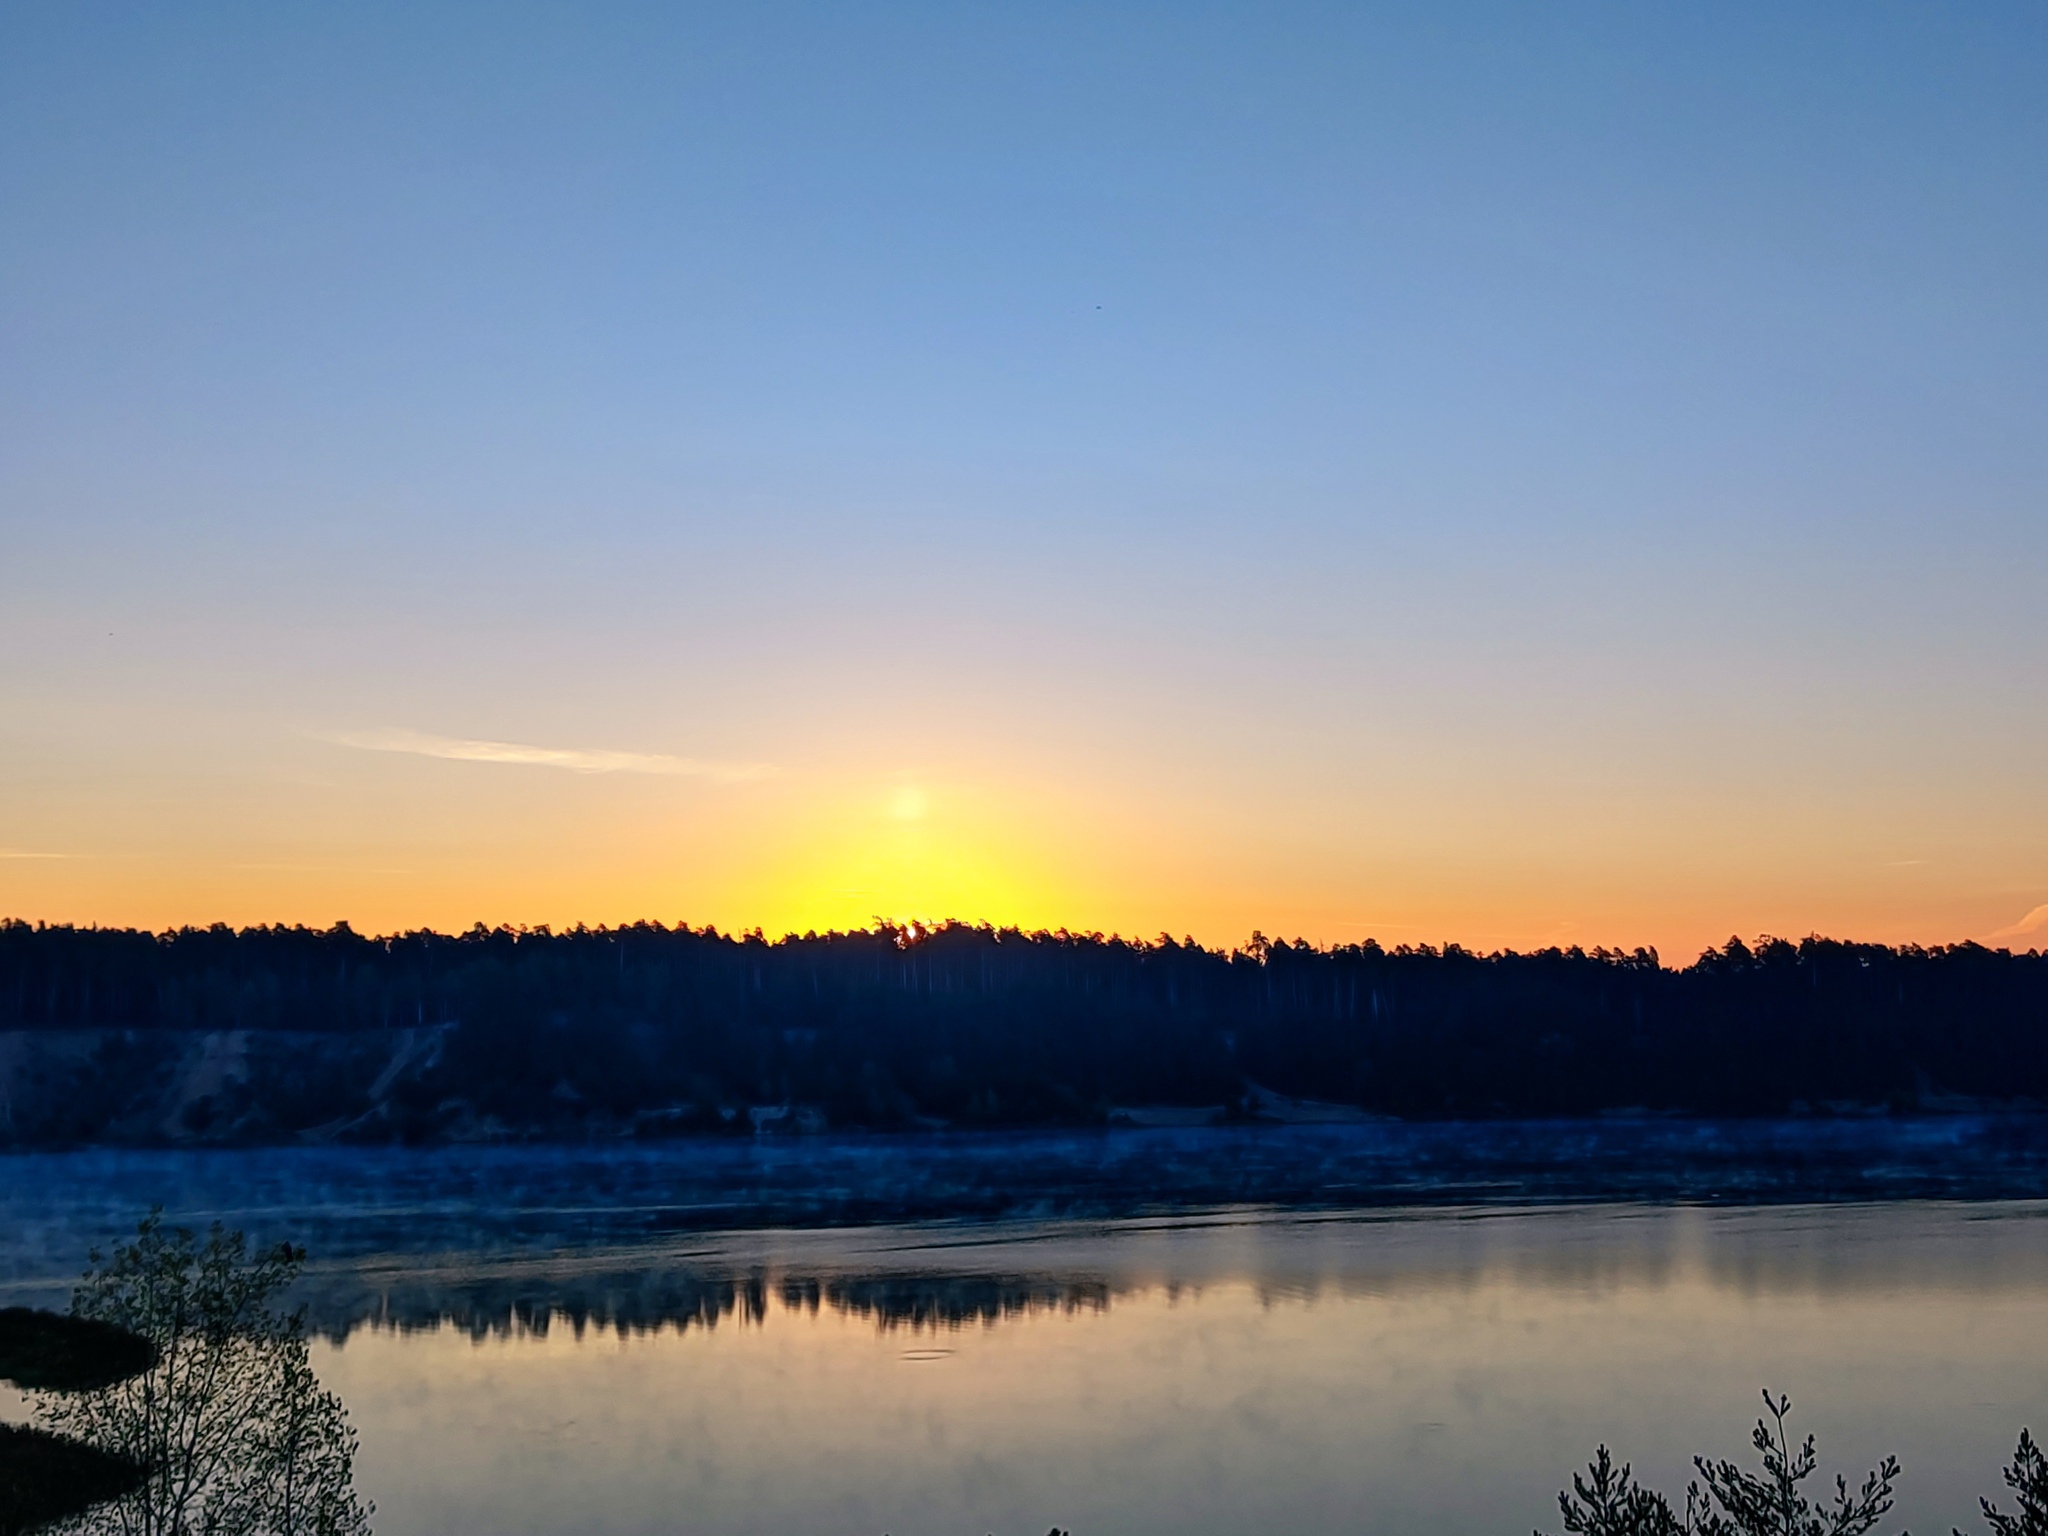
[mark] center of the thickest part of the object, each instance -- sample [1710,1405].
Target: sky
[1502,474]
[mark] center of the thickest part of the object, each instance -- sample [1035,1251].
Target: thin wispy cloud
[25,853]
[574,759]
[2034,922]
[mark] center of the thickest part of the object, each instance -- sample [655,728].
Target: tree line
[899,1026]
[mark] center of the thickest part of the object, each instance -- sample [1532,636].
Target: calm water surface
[1399,1370]
[1424,1372]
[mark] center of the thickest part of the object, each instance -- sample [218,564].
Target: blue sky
[1497,473]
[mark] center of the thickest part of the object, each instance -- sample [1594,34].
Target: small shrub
[1773,1505]
[2027,1477]
[1613,1504]
[234,1432]
[1737,1503]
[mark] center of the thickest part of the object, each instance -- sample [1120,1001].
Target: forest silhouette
[681,1030]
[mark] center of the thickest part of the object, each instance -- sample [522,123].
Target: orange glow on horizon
[821,852]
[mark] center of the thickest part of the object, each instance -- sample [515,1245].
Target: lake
[536,1363]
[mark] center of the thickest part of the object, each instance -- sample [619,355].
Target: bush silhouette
[2027,1477]
[233,1430]
[1734,1502]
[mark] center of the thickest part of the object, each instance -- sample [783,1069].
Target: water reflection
[1428,1372]
[947,1301]
[953,1276]
[1414,1371]
[497,1300]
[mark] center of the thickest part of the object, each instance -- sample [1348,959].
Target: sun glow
[913,850]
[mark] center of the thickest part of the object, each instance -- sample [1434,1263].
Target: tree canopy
[900,1026]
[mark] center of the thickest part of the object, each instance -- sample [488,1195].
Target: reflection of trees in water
[946,1301]
[495,1305]
[642,1301]
[235,1429]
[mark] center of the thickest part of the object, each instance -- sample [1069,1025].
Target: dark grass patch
[45,1478]
[49,1352]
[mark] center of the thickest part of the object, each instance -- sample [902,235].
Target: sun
[914,849]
